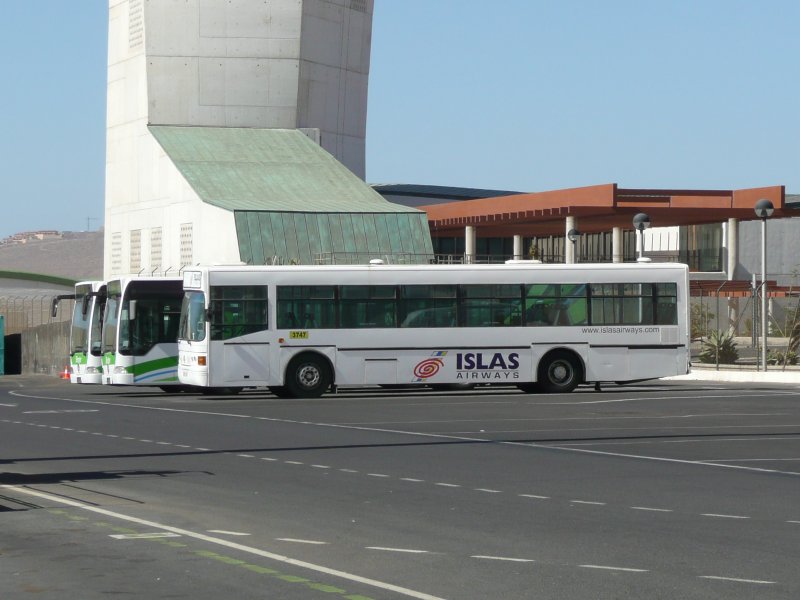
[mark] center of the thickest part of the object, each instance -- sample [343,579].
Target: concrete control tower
[223,114]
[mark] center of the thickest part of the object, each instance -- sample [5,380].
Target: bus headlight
[92,370]
[120,370]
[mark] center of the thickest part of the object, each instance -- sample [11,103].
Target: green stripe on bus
[154,365]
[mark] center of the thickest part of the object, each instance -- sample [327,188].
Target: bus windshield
[111,320]
[80,326]
[193,317]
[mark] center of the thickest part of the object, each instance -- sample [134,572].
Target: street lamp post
[573,235]
[641,222]
[764,211]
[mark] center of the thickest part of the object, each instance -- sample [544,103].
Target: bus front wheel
[308,376]
[559,371]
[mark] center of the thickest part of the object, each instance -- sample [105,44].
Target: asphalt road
[660,490]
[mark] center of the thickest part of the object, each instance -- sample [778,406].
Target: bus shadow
[77,476]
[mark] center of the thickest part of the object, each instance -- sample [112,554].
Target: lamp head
[641,221]
[573,235]
[764,209]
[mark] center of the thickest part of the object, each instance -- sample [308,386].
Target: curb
[739,376]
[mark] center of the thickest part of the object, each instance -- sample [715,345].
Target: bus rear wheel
[308,376]
[559,372]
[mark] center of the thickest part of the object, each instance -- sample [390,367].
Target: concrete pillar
[732,247]
[569,249]
[732,255]
[469,244]
[616,245]
[517,247]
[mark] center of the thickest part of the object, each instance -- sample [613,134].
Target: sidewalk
[746,374]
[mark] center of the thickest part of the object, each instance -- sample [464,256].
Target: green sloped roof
[266,169]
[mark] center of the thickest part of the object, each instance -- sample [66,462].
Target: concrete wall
[783,260]
[45,349]
[243,63]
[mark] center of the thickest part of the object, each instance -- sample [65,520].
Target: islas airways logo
[429,367]
[471,365]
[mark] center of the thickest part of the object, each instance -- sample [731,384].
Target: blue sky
[515,94]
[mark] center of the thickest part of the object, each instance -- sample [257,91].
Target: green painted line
[260,570]
[293,579]
[328,589]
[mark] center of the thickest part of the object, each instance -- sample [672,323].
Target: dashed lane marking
[608,568]
[505,558]
[224,532]
[232,545]
[403,550]
[718,516]
[144,536]
[296,541]
[736,579]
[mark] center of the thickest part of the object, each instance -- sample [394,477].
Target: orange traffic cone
[65,373]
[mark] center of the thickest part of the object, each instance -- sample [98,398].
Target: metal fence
[715,314]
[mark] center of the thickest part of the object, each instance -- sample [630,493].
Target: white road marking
[296,541]
[293,462]
[54,412]
[534,496]
[793,521]
[412,480]
[348,471]
[587,502]
[506,558]
[245,455]
[144,536]
[666,510]
[9,405]
[232,545]
[737,580]
[269,459]
[376,475]
[406,550]
[450,485]
[321,466]
[488,491]
[606,568]
[223,532]
[723,516]
[701,463]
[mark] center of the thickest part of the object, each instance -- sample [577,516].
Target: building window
[186,244]
[155,248]
[135,256]
[116,253]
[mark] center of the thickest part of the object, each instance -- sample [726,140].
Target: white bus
[301,329]
[140,331]
[85,356]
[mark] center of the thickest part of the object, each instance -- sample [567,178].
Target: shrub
[719,346]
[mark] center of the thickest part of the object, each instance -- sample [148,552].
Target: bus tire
[560,371]
[308,376]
